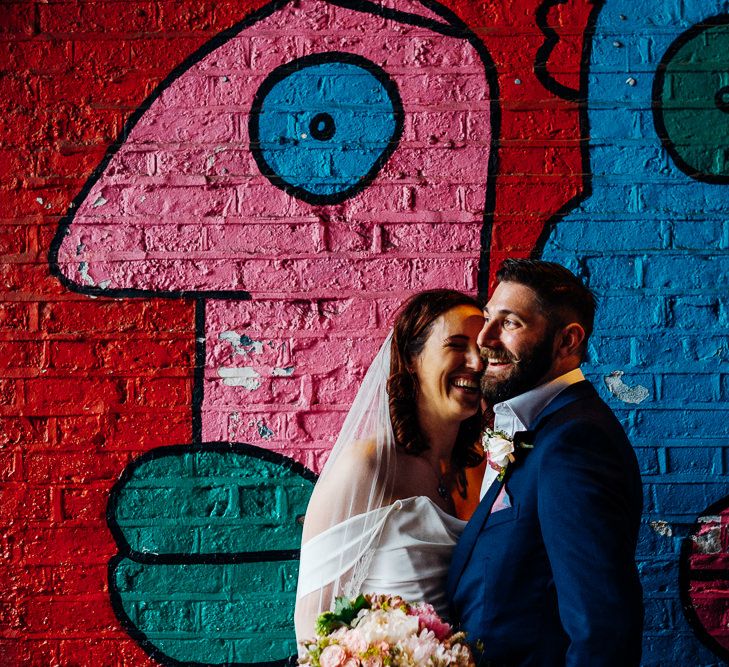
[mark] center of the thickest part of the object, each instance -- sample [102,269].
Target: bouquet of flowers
[380,630]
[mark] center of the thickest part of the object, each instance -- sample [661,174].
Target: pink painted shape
[182,205]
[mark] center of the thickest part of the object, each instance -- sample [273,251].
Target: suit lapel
[471,532]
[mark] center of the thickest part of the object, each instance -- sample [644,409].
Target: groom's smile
[516,341]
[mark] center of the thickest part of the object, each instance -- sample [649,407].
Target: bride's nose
[473,359]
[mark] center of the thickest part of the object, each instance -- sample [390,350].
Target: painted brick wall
[184,319]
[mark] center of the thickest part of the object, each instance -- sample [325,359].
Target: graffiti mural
[243,154]
[233,199]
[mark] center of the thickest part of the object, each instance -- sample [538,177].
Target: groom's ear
[570,339]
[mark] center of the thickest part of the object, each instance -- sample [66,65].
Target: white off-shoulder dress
[411,544]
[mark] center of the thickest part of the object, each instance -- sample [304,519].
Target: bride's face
[449,367]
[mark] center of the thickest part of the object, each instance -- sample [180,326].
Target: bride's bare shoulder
[361,455]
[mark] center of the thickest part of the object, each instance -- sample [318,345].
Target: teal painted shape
[209,539]
[694,100]
[212,613]
[211,502]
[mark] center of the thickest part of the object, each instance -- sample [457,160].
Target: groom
[544,573]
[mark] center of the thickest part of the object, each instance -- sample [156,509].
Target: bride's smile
[448,369]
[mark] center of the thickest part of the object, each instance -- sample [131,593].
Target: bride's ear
[570,340]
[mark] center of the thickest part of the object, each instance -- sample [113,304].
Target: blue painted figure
[652,242]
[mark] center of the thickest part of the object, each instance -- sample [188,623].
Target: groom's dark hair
[561,295]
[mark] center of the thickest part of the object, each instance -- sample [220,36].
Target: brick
[163,392]
[52,396]
[681,423]
[25,431]
[687,499]
[704,461]
[79,467]
[9,466]
[84,504]
[34,503]
[15,317]
[697,388]
[9,392]
[65,613]
[143,431]
[647,460]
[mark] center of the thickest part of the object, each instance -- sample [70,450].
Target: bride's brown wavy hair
[412,329]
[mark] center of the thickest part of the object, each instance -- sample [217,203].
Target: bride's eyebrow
[456,338]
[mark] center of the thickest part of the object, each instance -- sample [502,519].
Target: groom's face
[517,343]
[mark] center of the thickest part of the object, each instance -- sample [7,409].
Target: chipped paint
[263,430]
[282,372]
[245,377]
[99,201]
[708,539]
[83,271]
[616,386]
[662,528]
[241,343]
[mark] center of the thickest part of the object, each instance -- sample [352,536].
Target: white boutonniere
[501,448]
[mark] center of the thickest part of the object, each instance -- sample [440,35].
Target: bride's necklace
[442,489]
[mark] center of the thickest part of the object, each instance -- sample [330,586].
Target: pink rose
[429,620]
[334,656]
[372,661]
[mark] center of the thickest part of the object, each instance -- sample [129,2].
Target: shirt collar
[527,406]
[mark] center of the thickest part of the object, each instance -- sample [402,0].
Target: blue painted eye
[321,127]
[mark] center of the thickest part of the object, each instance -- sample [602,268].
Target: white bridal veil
[342,528]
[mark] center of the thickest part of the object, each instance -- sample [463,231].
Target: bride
[382,518]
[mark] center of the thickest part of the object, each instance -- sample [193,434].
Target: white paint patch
[263,430]
[245,377]
[100,201]
[242,344]
[282,372]
[83,271]
[662,528]
[708,541]
[104,284]
[618,388]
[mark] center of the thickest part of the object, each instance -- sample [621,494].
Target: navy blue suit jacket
[553,580]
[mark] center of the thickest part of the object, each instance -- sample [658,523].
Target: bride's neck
[439,434]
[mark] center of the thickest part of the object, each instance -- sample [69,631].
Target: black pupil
[722,99]
[322,127]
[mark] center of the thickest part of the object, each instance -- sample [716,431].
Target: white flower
[500,449]
[387,626]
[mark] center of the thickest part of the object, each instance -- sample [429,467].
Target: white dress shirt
[519,413]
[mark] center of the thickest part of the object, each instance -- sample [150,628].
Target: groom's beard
[524,374]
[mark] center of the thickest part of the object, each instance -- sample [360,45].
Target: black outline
[684,580]
[312,60]
[545,51]
[462,31]
[198,379]
[657,104]
[63,226]
[582,109]
[124,550]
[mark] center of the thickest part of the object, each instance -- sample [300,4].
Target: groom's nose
[488,334]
